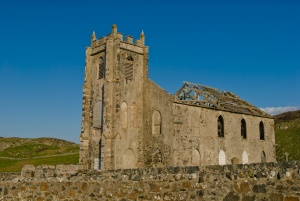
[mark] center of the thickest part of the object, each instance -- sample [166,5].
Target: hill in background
[287,135]
[16,152]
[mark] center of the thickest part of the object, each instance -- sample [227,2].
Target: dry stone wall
[268,182]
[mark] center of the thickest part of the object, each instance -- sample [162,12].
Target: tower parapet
[114,34]
[102,40]
[129,39]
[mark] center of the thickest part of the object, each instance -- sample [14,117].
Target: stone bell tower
[112,108]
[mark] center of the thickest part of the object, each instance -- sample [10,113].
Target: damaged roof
[204,96]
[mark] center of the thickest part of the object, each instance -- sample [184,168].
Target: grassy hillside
[16,152]
[287,135]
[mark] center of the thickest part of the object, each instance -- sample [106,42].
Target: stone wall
[268,182]
[196,134]
[157,141]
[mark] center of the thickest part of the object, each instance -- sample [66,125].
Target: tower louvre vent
[129,71]
[101,72]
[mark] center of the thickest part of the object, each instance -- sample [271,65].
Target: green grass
[20,151]
[287,138]
[34,150]
[9,165]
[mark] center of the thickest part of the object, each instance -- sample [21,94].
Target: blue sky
[251,48]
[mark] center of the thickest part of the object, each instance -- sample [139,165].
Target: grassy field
[9,165]
[17,152]
[30,150]
[287,138]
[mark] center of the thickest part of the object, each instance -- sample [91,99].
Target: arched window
[101,70]
[156,123]
[195,157]
[128,159]
[261,131]
[124,115]
[243,129]
[96,163]
[245,157]
[97,115]
[128,71]
[220,126]
[133,116]
[222,158]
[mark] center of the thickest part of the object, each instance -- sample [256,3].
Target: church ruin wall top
[208,97]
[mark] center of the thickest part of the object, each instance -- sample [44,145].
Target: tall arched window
[128,71]
[156,123]
[97,115]
[195,157]
[243,129]
[124,115]
[128,159]
[101,70]
[220,126]
[261,131]
[222,157]
[245,157]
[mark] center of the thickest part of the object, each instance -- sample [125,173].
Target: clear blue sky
[251,48]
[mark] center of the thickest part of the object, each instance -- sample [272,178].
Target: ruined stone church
[128,121]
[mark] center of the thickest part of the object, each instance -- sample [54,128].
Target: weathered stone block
[192,169]
[241,187]
[44,186]
[249,198]
[276,197]
[186,184]
[216,167]
[291,198]
[259,188]
[231,197]
[84,186]
[200,193]
[5,192]
[154,187]
[28,171]
[281,188]
[72,193]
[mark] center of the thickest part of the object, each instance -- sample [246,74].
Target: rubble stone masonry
[263,181]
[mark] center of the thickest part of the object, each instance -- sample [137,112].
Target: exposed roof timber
[200,95]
